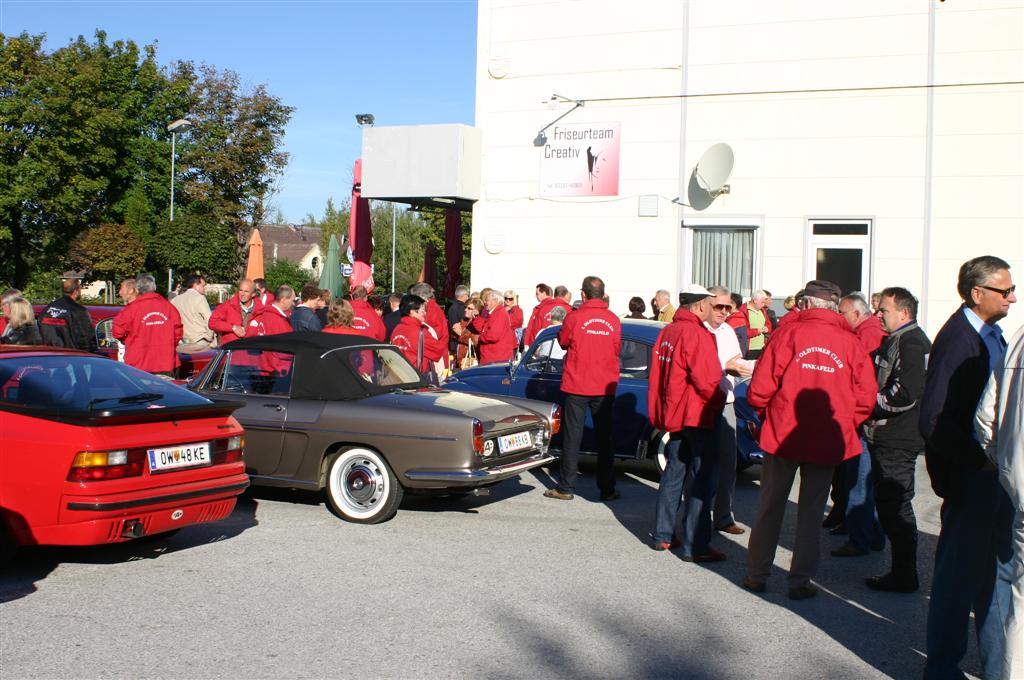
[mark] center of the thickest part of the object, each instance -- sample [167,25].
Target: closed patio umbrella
[330,277]
[254,265]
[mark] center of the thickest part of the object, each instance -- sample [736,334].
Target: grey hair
[558,313]
[494,295]
[145,283]
[422,289]
[859,303]
[663,292]
[719,290]
[8,295]
[760,295]
[284,292]
[461,290]
[811,302]
[975,273]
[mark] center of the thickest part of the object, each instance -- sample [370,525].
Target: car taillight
[98,465]
[228,450]
[556,419]
[478,437]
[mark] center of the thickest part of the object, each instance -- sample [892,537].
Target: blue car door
[630,410]
[539,374]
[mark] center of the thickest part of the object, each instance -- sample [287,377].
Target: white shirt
[728,347]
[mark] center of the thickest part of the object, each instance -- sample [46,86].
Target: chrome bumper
[494,473]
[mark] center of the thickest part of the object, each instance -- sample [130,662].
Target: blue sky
[406,62]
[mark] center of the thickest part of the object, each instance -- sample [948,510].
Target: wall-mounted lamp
[541,139]
[364,118]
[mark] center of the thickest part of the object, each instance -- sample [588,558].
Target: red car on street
[103,320]
[94,451]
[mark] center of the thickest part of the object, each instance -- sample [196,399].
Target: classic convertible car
[353,417]
[538,375]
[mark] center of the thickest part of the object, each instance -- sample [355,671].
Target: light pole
[174,128]
[394,219]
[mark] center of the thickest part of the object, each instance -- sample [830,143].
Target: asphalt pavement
[512,585]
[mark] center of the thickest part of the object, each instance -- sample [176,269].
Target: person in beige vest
[195,316]
[665,309]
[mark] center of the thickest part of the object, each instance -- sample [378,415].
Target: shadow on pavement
[32,564]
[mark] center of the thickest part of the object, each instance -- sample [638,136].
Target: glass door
[840,251]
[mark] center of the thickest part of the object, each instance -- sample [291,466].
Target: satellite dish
[714,168]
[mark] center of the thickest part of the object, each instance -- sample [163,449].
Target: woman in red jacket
[497,341]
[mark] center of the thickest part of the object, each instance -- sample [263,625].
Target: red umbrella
[429,271]
[360,234]
[452,250]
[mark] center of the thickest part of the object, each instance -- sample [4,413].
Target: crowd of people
[850,391]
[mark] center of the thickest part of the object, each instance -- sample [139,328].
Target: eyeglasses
[723,308]
[1005,292]
[510,299]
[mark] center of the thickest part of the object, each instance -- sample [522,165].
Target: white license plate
[173,457]
[514,442]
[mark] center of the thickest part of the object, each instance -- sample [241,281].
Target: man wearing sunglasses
[972,566]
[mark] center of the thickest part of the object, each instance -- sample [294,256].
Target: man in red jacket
[365,318]
[497,340]
[273,318]
[814,386]
[541,316]
[150,328]
[592,338]
[230,319]
[684,398]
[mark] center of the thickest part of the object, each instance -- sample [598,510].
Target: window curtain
[724,257]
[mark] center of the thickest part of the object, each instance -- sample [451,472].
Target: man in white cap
[685,399]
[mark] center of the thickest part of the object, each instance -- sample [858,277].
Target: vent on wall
[647,206]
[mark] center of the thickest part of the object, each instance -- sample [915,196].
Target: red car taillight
[478,437]
[228,450]
[95,465]
[556,419]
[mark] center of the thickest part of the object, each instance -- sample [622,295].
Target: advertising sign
[581,159]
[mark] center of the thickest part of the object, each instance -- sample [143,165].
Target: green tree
[110,252]
[284,273]
[433,232]
[196,243]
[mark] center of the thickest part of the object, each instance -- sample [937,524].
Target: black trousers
[893,472]
[574,416]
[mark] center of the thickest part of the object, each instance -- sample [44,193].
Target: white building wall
[799,156]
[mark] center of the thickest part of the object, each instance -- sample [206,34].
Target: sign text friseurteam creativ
[581,159]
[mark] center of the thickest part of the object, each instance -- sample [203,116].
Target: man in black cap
[813,386]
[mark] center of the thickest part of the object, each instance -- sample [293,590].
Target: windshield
[383,367]
[85,383]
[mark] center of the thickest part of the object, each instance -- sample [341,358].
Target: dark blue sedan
[538,375]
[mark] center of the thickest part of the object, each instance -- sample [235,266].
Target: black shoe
[803,592]
[891,583]
[611,496]
[848,550]
[839,530]
[832,521]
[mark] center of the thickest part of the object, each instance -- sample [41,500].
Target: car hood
[494,413]
[477,372]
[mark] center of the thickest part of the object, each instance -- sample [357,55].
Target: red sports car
[94,451]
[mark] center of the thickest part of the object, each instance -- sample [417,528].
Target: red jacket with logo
[592,337]
[814,386]
[685,376]
[439,322]
[497,340]
[269,320]
[228,315]
[366,321]
[515,317]
[150,328]
[541,317]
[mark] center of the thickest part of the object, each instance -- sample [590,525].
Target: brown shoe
[752,585]
[560,495]
[734,529]
[803,592]
[711,555]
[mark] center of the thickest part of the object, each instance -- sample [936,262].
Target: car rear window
[85,383]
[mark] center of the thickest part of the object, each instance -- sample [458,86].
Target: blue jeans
[972,573]
[693,466]
[861,518]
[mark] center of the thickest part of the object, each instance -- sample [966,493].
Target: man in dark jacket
[456,313]
[814,386]
[893,435]
[66,323]
[304,314]
[685,400]
[972,557]
[592,338]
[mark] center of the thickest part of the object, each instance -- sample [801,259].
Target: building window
[724,257]
[840,251]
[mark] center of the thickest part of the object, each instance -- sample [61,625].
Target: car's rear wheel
[361,487]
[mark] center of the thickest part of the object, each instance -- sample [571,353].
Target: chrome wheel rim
[363,485]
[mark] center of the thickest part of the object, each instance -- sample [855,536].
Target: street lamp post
[394,219]
[174,128]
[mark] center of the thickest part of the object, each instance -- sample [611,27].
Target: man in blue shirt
[972,560]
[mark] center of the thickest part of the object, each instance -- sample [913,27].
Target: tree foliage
[284,273]
[110,252]
[83,142]
[196,243]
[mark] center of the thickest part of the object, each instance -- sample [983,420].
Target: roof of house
[293,241]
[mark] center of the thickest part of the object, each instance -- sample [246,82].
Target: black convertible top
[319,372]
